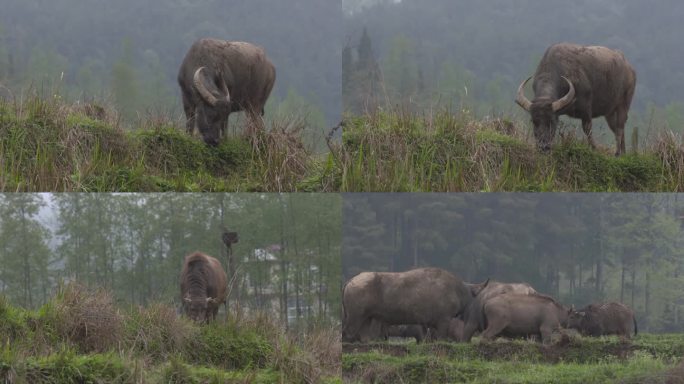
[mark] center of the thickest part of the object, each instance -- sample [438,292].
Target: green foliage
[48,145]
[438,151]
[226,347]
[584,360]
[157,347]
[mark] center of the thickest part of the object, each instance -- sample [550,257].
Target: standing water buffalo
[582,82]
[604,319]
[474,320]
[203,286]
[516,315]
[218,77]
[426,296]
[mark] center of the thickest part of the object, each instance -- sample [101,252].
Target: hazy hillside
[473,54]
[129,52]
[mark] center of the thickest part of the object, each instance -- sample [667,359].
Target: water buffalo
[582,82]
[604,319]
[426,296]
[474,321]
[516,315]
[218,77]
[203,286]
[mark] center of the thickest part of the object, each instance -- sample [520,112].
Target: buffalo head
[211,115]
[544,113]
[197,309]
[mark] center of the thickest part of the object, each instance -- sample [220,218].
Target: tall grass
[396,150]
[46,145]
[648,359]
[82,336]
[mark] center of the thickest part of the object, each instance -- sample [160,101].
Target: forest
[286,262]
[472,55]
[579,248]
[126,54]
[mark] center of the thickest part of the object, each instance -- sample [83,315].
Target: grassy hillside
[398,151]
[80,336]
[46,145]
[647,359]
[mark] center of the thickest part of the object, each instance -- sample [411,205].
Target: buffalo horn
[520,98]
[202,89]
[565,100]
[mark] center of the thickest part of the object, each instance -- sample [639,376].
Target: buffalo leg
[189,115]
[493,329]
[469,330]
[586,127]
[616,121]
[546,334]
[442,329]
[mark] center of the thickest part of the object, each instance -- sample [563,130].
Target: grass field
[80,336]
[46,145]
[647,359]
[441,151]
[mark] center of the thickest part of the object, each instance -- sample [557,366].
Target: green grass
[49,146]
[154,345]
[399,151]
[647,359]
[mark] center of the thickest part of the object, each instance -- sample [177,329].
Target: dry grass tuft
[158,332]
[281,155]
[88,318]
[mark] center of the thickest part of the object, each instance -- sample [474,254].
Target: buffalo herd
[433,303]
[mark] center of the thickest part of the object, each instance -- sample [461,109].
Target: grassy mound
[48,146]
[648,359]
[396,151]
[80,336]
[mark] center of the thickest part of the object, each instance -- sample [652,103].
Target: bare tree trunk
[622,281]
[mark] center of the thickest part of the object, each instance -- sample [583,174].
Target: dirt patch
[388,349]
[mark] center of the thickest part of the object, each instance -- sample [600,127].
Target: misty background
[286,261]
[579,248]
[471,55]
[127,53]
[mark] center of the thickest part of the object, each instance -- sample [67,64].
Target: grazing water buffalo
[582,82]
[604,319]
[516,315]
[218,77]
[203,286]
[474,320]
[429,297]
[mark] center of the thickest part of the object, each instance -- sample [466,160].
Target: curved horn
[224,88]
[565,100]
[520,98]
[201,88]
[187,299]
[211,300]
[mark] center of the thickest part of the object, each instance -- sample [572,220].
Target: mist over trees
[580,248]
[472,55]
[287,258]
[128,52]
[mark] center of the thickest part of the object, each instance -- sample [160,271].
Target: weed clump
[86,319]
[46,145]
[438,151]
